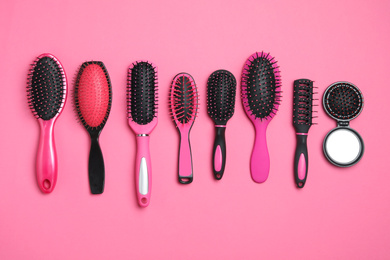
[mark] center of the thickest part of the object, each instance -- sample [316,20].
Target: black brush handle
[219,152]
[96,166]
[301,160]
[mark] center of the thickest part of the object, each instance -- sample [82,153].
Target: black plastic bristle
[142,92]
[303,105]
[46,88]
[221,96]
[184,102]
[343,101]
[262,81]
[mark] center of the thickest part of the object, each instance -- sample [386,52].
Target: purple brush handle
[260,157]
[185,159]
[143,171]
[47,157]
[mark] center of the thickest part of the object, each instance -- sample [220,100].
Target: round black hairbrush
[343,146]
[221,96]
[46,93]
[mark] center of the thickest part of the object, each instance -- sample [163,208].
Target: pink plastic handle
[143,171]
[185,160]
[46,164]
[260,158]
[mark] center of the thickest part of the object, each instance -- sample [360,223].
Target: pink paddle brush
[93,97]
[46,94]
[260,93]
[142,118]
[184,107]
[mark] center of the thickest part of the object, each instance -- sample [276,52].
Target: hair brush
[142,115]
[221,96]
[46,93]
[260,93]
[184,108]
[302,121]
[93,97]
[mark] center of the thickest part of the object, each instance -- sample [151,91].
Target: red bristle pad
[184,99]
[93,95]
[261,86]
[344,101]
[46,88]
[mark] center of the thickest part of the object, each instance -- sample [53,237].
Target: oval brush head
[343,101]
[46,88]
[221,95]
[183,99]
[93,94]
[93,97]
[142,92]
[261,84]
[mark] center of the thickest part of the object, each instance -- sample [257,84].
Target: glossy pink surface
[301,167]
[339,214]
[218,159]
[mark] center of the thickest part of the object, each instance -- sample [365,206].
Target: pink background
[340,214]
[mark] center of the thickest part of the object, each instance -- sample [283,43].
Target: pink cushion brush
[142,118]
[184,107]
[260,93]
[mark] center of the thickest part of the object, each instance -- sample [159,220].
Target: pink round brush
[184,107]
[142,118]
[46,93]
[260,93]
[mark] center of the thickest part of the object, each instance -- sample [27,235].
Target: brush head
[261,84]
[303,105]
[46,87]
[93,95]
[183,99]
[221,96]
[343,101]
[142,92]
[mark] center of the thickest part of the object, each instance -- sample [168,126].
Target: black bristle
[46,88]
[261,82]
[343,101]
[303,105]
[142,92]
[221,96]
[184,96]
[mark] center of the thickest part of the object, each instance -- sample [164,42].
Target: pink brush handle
[143,171]
[47,157]
[185,159]
[260,157]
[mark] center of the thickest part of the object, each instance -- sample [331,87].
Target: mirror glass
[343,146]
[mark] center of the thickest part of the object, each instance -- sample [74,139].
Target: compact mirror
[343,146]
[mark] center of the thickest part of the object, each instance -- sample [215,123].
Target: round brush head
[46,87]
[93,94]
[261,84]
[184,99]
[221,96]
[343,101]
[142,92]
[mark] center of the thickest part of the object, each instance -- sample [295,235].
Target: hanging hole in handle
[219,176]
[300,184]
[46,184]
[185,180]
[144,200]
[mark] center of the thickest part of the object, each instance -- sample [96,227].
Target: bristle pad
[344,101]
[46,88]
[93,94]
[221,95]
[184,99]
[142,92]
[303,102]
[262,82]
